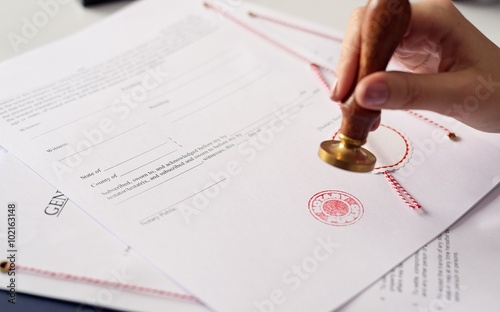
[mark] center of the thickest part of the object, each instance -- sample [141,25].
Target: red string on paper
[278,44]
[450,134]
[99,282]
[403,194]
[335,134]
[255,31]
[315,67]
[405,155]
[297,27]
[407,150]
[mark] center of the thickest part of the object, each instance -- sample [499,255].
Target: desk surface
[70,17]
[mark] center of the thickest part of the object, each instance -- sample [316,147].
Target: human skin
[453,69]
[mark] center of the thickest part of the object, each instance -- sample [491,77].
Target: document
[54,235]
[452,273]
[199,152]
[456,272]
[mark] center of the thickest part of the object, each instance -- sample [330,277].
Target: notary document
[452,273]
[55,236]
[194,141]
[456,272]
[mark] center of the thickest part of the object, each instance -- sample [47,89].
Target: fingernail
[333,89]
[376,94]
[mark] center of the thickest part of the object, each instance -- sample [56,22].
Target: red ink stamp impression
[336,208]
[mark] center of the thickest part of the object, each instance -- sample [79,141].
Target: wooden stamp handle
[383,26]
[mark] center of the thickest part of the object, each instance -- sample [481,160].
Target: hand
[454,68]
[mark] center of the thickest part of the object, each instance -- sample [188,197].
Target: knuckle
[357,15]
[443,8]
[412,93]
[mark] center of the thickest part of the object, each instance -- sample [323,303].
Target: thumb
[398,90]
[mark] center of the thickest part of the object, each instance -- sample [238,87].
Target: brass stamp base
[347,154]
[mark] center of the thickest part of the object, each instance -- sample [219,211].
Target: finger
[398,90]
[434,22]
[347,66]
[431,18]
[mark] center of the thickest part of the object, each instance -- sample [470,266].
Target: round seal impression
[336,208]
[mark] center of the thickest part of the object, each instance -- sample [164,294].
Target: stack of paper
[199,153]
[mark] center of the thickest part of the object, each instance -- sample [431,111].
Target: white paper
[414,285]
[234,222]
[456,272]
[54,235]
